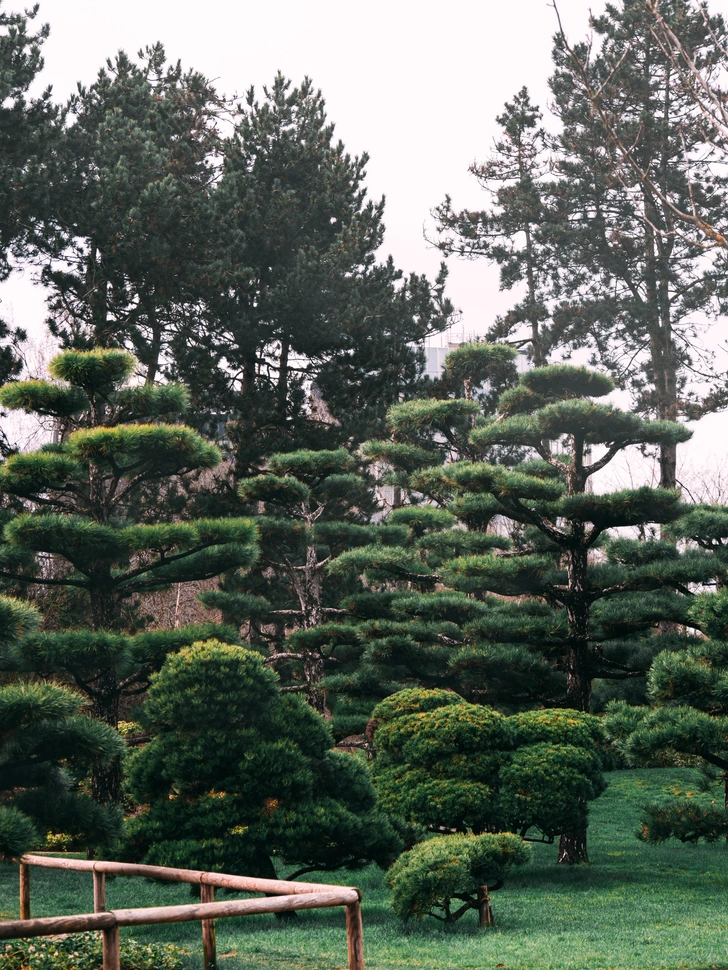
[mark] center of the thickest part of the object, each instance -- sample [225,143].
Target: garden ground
[636,907]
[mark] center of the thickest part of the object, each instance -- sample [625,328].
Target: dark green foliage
[316,506]
[238,774]
[593,603]
[47,745]
[426,879]
[130,235]
[25,132]
[450,765]
[684,820]
[95,507]
[688,689]
[298,238]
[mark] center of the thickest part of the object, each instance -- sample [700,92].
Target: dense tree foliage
[311,506]
[426,879]
[238,774]
[453,766]
[688,712]
[47,745]
[92,512]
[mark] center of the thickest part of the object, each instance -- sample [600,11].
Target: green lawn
[635,906]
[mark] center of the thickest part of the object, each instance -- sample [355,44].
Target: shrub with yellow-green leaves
[450,765]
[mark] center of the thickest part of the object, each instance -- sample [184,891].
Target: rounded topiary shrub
[426,879]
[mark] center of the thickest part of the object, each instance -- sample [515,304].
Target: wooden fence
[282,897]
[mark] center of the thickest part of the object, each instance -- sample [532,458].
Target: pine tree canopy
[95,506]
[688,692]
[444,763]
[238,773]
[47,745]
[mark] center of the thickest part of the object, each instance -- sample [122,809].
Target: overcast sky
[417,85]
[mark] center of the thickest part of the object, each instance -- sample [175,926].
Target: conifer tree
[544,609]
[688,699]
[304,298]
[98,504]
[515,231]
[130,234]
[453,766]
[636,287]
[311,505]
[239,774]
[47,745]
[26,130]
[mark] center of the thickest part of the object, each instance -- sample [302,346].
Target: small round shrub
[426,879]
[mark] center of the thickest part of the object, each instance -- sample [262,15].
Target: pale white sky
[415,84]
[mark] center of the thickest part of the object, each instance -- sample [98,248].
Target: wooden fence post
[24,891]
[207,895]
[110,947]
[355,936]
[99,892]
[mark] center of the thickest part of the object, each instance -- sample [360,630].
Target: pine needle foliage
[239,774]
[315,507]
[426,879]
[47,746]
[99,504]
[453,766]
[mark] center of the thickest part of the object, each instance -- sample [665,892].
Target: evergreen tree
[26,127]
[96,506]
[47,745]
[638,288]
[238,774]
[516,231]
[538,621]
[315,505]
[131,233]
[688,695]
[425,879]
[453,766]
[304,299]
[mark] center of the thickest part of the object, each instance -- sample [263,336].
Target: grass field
[638,907]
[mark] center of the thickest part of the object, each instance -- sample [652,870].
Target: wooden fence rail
[283,897]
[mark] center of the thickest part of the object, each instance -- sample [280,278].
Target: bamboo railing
[282,897]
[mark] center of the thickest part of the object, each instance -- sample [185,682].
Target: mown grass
[635,907]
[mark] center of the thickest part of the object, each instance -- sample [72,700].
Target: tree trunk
[572,846]
[105,779]
[485,913]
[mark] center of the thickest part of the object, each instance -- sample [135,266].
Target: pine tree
[130,234]
[26,130]
[314,504]
[636,288]
[304,299]
[96,506]
[544,609]
[453,766]
[515,231]
[47,745]
[238,774]
[688,710]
